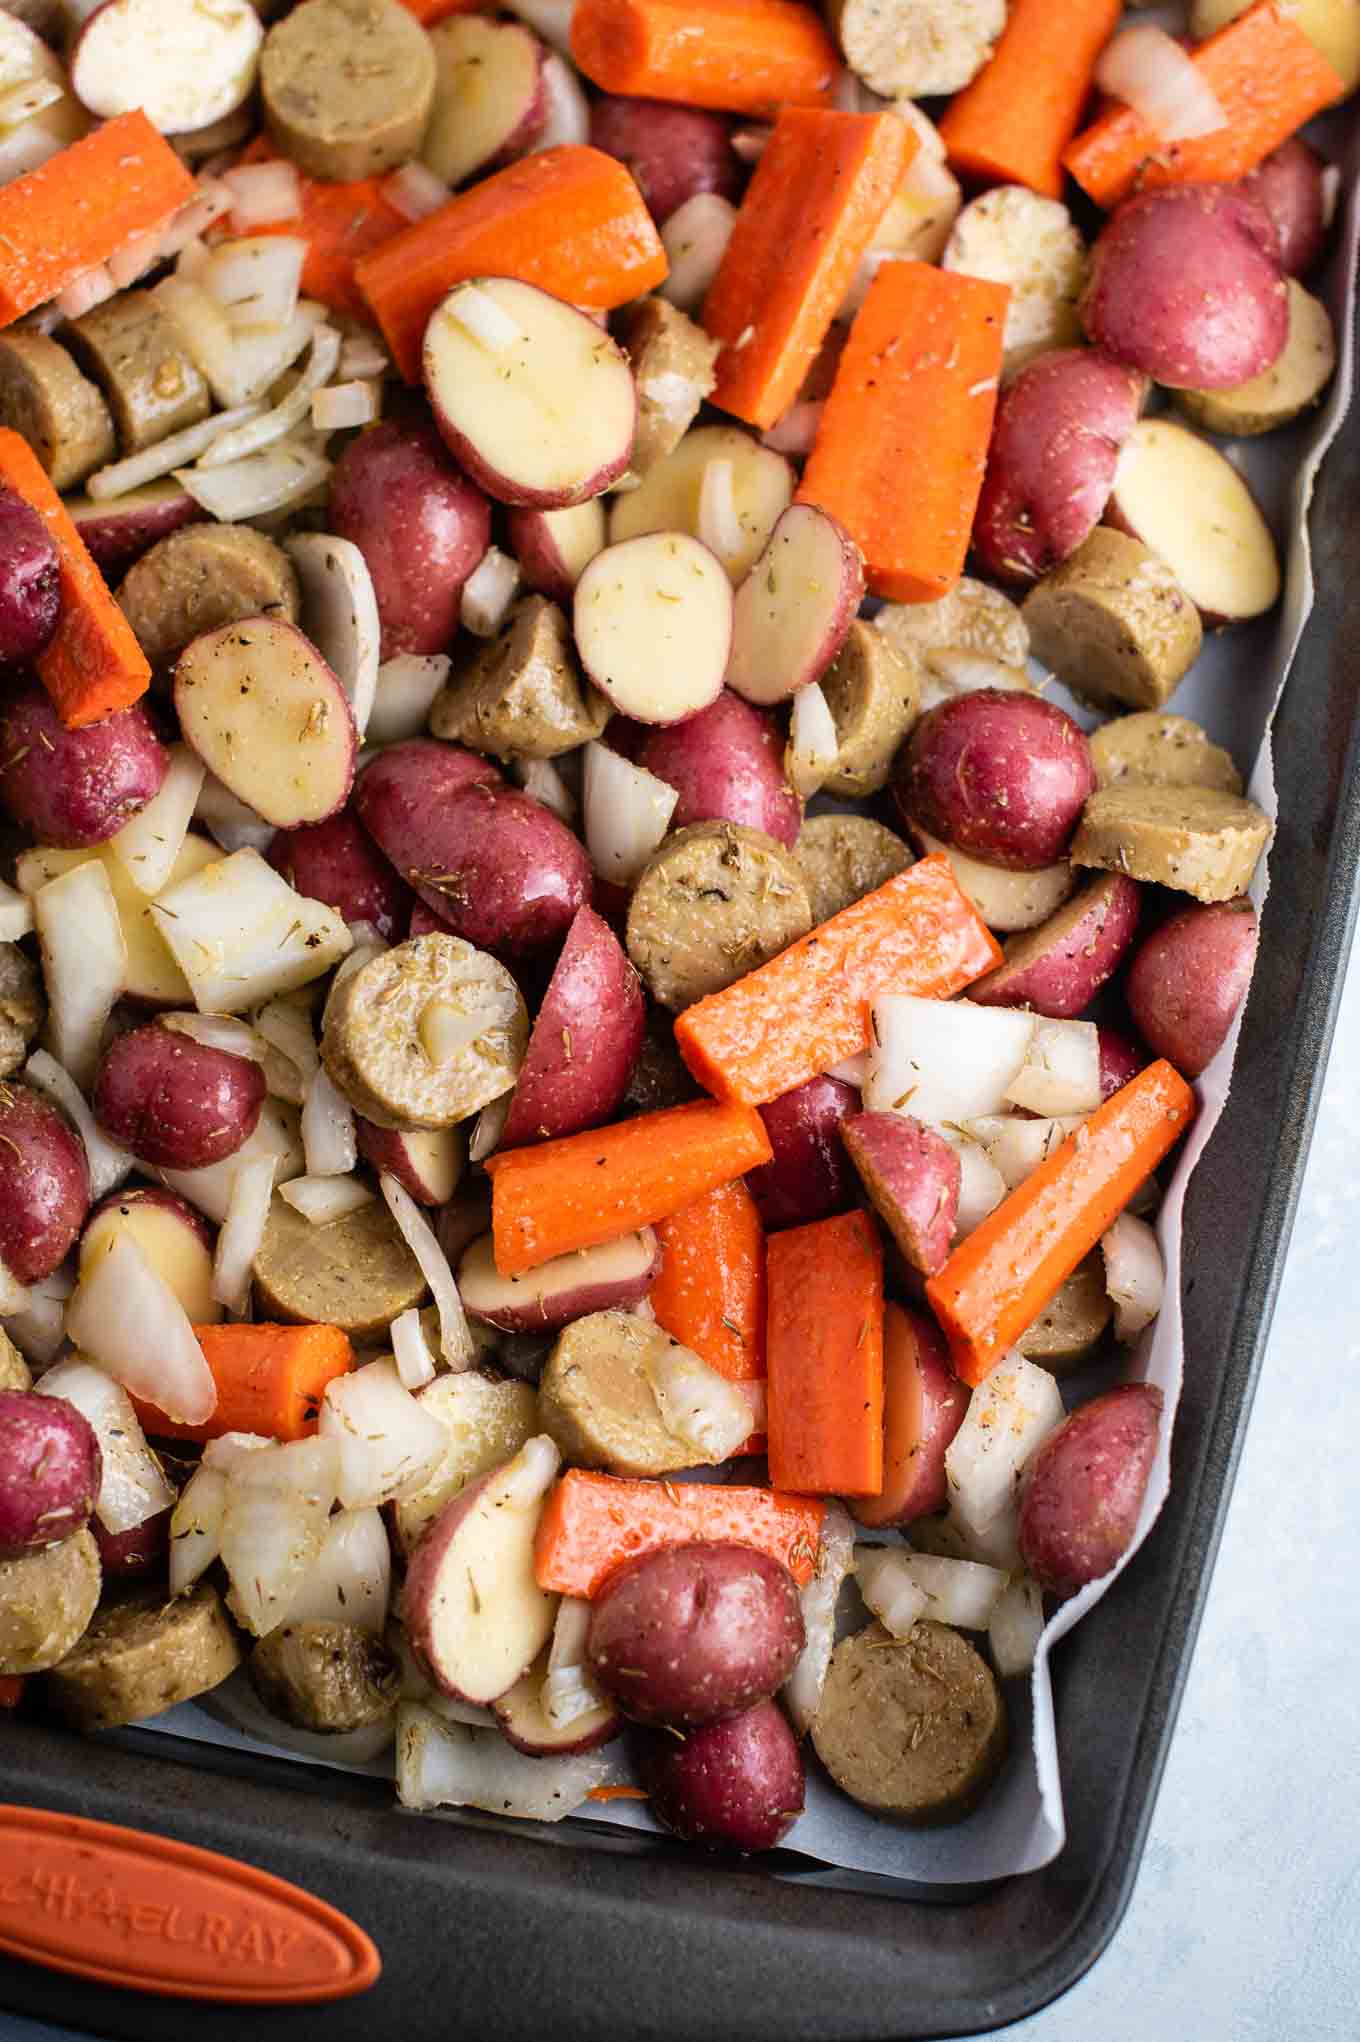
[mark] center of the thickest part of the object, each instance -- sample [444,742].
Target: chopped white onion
[343,406]
[414,191]
[481,315]
[389,1445]
[627,813]
[796,431]
[750,143]
[888,1589]
[1017,1146]
[488,593]
[363,355]
[1016,1626]
[277,1509]
[33,96]
[549,18]
[227,819]
[239,363]
[813,747]
[1061,1070]
[819,1598]
[84,958]
[568,110]
[242,1234]
[488,1127]
[148,845]
[1010,1413]
[109,1164]
[37,1325]
[542,781]
[132,1487]
[272,481]
[263,193]
[719,527]
[286,1026]
[350,1580]
[217,1031]
[981,1185]
[196,1527]
[329,1140]
[449,1765]
[851,1070]
[407,686]
[92,287]
[415,1364]
[284,417]
[943,1060]
[209,1188]
[256,281]
[154,462]
[1150,72]
[695,239]
[212,202]
[125,1316]
[1135,1275]
[323,1199]
[959,1592]
[455,1339]
[16,914]
[569,1692]
[226,1450]
[698,1405]
[136,259]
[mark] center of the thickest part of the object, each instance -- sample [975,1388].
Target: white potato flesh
[1006,901]
[942,1061]
[171,1243]
[84,961]
[795,606]
[653,624]
[183,66]
[1010,1413]
[1189,505]
[669,495]
[536,401]
[242,935]
[266,714]
[488,92]
[490,1295]
[567,539]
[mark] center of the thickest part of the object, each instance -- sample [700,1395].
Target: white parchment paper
[1233,691]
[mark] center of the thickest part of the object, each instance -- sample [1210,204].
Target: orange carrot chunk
[1008,1270]
[428,12]
[824,1355]
[740,56]
[903,440]
[591,1524]
[270,1379]
[340,223]
[808,1009]
[819,191]
[93,664]
[82,206]
[1267,77]
[710,1294]
[1011,125]
[570,220]
[584,1188]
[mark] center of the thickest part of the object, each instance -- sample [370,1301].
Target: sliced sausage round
[716,901]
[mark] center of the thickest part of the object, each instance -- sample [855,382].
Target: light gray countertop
[1242,1926]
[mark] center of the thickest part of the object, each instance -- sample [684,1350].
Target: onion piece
[488,593]
[323,1199]
[718,523]
[226,1450]
[851,1070]
[208,1189]
[196,1527]
[125,1316]
[489,1126]
[257,281]
[273,481]
[943,1061]
[627,813]
[819,1598]
[92,287]
[389,1445]
[751,142]
[350,1581]
[132,1487]
[569,1692]
[542,782]
[1010,1413]
[414,191]
[84,959]
[959,1592]
[329,1139]
[455,1337]
[263,193]
[549,18]
[242,1234]
[449,1765]
[698,1405]
[286,1025]
[16,914]
[1135,1275]
[272,425]
[407,686]
[212,201]
[136,259]
[363,355]
[1016,1147]
[796,431]
[109,1164]
[981,1185]
[217,1031]
[415,1364]
[695,239]
[1016,1626]
[239,363]
[481,315]
[888,1589]
[148,845]
[568,109]
[1150,72]
[227,819]
[342,406]
[813,747]
[154,462]
[33,96]
[37,1325]
[1061,1070]
[277,1508]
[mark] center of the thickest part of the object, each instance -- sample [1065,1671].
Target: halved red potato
[672,151]
[912,1177]
[170,1234]
[687,491]
[532,398]
[1187,981]
[653,624]
[489,100]
[264,712]
[1059,968]
[1005,900]
[1189,505]
[526,1724]
[585,1038]
[795,606]
[611,1277]
[426,1161]
[726,764]
[555,547]
[183,67]
[1289,184]
[923,1407]
[119,530]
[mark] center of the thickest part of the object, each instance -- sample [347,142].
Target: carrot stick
[270,1379]
[339,223]
[824,1355]
[428,12]
[593,1523]
[1011,125]
[1268,78]
[93,664]
[585,1188]
[903,440]
[740,56]
[570,220]
[81,206]
[1001,1277]
[819,191]
[710,1294]
[616,1794]
[808,1008]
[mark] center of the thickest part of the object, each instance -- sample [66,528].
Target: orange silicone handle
[152,1915]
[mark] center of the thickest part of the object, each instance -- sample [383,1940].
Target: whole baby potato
[1189,978]
[736,1784]
[73,788]
[1083,1488]
[1003,776]
[727,765]
[673,152]
[50,1465]
[176,1103]
[44,1184]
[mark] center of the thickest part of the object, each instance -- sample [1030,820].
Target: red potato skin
[337,862]
[1000,775]
[132,1555]
[1051,465]
[1121,1058]
[511,877]
[689,1634]
[384,1148]
[50,1468]
[420,524]
[562,1743]
[727,765]
[44,1184]
[809,1177]
[540,561]
[912,1177]
[153,1194]
[400,799]
[1059,968]
[735,1785]
[585,1040]
[74,788]
[1083,1489]
[924,1404]
[30,597]
[115,536]
[552,1313]
[1190,977]
[673,152]
[176,1103]
[1289,187]
[1185,284]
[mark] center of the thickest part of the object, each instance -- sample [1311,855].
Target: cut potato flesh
[535,400]
[1292,383]
[1183,499]
[669,495]
[184,67]
[795,607]
[152,973]
[569,1286]
[265,713]
[488,93]
[171,1243]
[1007,901]
[241,934]
[653,621]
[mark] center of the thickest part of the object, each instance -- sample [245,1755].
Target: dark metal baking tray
[602,1933]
